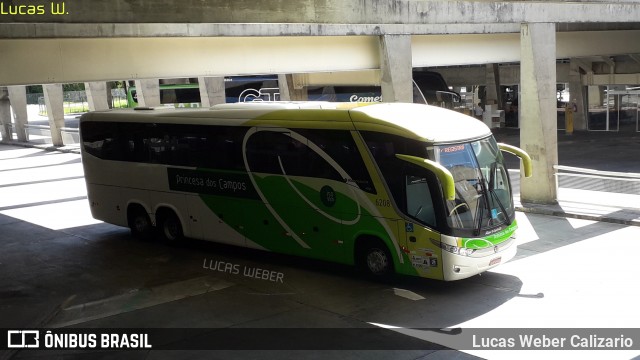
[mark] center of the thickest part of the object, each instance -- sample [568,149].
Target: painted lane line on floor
[137,300]
[407,294]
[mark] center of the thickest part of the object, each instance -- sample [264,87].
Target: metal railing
[597,180]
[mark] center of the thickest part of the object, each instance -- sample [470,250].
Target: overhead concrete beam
[464,49]
[607,60]
[611,79]
[110,30]
[361,77]
[470,49]
[35,61]
[584,64]
[334,12]
[476,75]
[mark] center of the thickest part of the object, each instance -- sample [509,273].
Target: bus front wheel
[139,223]
[169,226]
[375,260]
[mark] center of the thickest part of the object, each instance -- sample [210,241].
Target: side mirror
[526,160]
[445,177]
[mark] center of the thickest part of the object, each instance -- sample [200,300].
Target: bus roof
[416,121]
[421,122]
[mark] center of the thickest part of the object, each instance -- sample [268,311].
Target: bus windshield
[483,192]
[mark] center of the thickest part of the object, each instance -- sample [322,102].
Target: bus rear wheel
[169,226]
[139,223]
[375,260]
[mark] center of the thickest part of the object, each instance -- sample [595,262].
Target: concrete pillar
[5,115]
[148,92]
[97,95]
[538,128]
[596,96]
[288,89]
[396,68]
[54,100]
[18,99]
[212,91]
[493,95]
[110,86]
[577,94]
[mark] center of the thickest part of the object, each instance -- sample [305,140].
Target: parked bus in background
[391,188]
[428,88]
[237,89]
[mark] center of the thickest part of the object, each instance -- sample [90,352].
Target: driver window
[419,200]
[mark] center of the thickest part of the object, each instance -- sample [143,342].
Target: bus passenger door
[193,220]
[420,236]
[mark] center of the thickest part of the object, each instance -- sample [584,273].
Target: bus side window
[273,152]
[97,137]
[341,148]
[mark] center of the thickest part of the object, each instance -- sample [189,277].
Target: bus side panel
[285,223]
[107,204]
[313,225]
[216,225]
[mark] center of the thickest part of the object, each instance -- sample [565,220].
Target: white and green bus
[389,187]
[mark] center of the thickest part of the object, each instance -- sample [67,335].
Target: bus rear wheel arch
[139,222]
[372,256]
[169,225]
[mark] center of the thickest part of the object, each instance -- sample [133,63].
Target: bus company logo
[20,339]
[328,196]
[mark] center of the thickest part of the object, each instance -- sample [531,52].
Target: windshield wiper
[484,203]
[488,190]
[479,217]
[492,181]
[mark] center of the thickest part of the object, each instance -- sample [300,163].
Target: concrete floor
[60,268]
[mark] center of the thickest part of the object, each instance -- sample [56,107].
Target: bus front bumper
[457,267]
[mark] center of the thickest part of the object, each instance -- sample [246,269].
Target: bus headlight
[466,252]
[455,250]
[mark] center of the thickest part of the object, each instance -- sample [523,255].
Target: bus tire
[374,259]
[139,222]
[169,226]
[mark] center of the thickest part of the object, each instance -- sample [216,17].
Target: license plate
[495,261]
